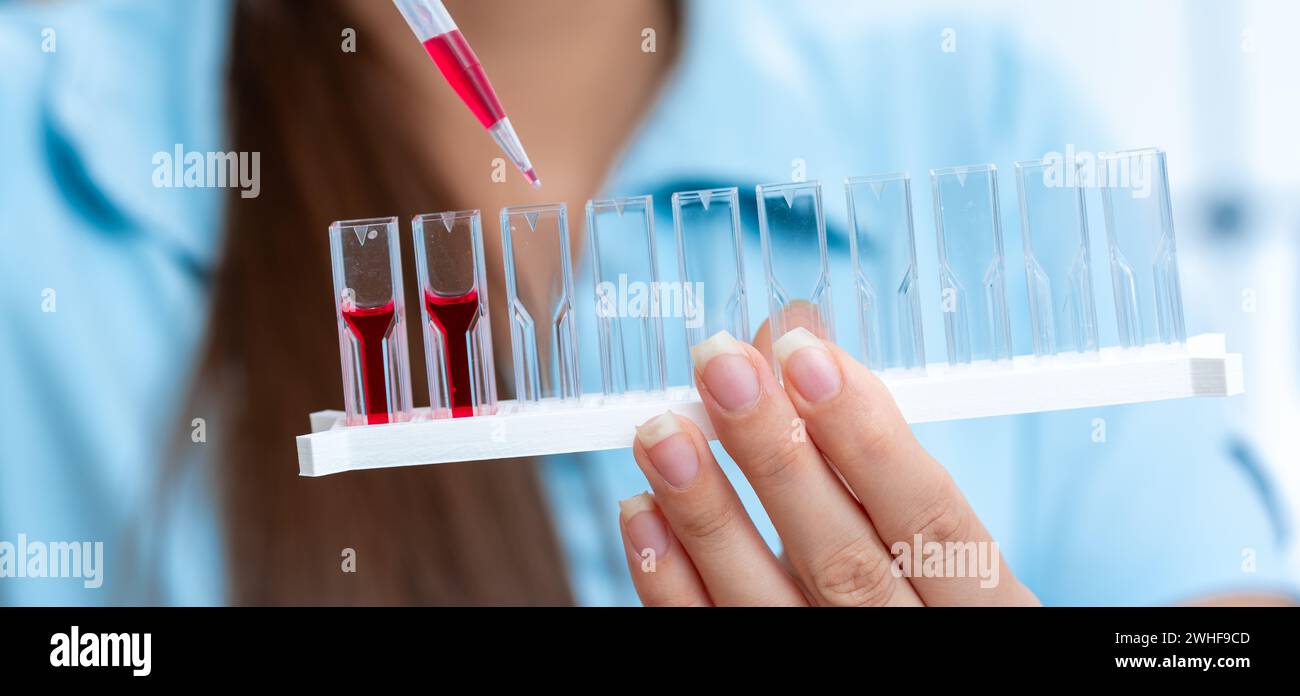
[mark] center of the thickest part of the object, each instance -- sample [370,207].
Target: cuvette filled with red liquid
[454,307]
[366,257]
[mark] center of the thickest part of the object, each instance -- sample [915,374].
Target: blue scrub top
[1162,509]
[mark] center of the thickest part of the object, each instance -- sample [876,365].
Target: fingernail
[673,457]
[807,365]
[726,371]
[645,526]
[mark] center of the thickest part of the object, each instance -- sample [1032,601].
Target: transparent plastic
[710,263]
[367,262]
[885,280]
[790,218]
[543,328]
[549,415]
[1140,237]
[447,47]
[972,263]
[629,301]
[427,18]
[1058,262]
[454,306]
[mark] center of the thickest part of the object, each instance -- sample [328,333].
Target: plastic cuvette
[1058,263]
[539,288]
[972,264]
[366,258]
[799,295]
[1140,237]
[883,246]
[454,306]
[629,300]
[710,263]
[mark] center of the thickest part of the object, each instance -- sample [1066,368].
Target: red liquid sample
[370,327]
[460,66]
[451,316]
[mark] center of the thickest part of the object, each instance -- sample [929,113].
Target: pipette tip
[508,141]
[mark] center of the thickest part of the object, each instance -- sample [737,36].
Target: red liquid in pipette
[370,326]
[457,62]
[460,66]
[451,316]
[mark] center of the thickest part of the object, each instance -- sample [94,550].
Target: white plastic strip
[1113,376]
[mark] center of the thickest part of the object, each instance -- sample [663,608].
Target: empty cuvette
[882,243]
[1140,238]
[972,263]
[539,289]
[1058,262]
[799,294]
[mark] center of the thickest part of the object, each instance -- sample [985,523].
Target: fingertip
[658,429]
[637,504]
[795,314]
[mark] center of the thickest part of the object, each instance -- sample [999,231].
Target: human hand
[846,484]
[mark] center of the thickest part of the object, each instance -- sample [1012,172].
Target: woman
[184,353]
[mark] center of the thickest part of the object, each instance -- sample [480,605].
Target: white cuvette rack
[1202,367]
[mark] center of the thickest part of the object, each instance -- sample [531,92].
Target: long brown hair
[476,533]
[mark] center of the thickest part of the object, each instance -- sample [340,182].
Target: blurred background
[1207,81]
[188,309]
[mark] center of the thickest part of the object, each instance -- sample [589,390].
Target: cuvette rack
[1068,369]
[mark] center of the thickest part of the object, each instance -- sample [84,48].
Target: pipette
[435,28]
